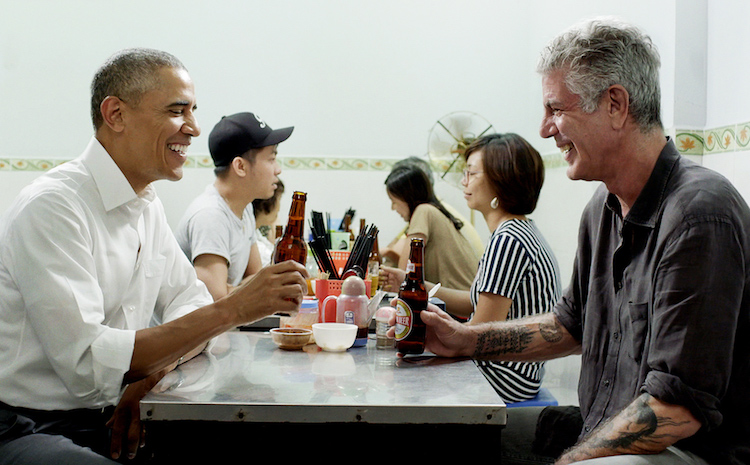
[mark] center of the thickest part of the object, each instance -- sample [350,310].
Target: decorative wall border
[287,163]
[732,138]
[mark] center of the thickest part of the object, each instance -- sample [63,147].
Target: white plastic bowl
[334,337]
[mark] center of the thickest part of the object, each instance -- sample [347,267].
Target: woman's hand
[391,278]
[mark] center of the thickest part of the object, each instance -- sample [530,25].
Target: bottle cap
[308,305]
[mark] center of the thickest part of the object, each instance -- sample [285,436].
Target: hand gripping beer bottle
[292,245]
[412,299]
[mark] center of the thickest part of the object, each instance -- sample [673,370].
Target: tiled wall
[731,138]
[697,142]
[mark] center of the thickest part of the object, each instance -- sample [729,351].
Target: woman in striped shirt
[518,274]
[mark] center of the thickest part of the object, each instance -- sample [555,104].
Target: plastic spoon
[434,289]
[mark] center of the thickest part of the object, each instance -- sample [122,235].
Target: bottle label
[409,267]
[349,317]
[404,320]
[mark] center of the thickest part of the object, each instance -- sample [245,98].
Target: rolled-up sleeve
[697,300]
[111,353]
[56,274]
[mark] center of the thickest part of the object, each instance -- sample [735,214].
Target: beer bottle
[292,245]
[412,299]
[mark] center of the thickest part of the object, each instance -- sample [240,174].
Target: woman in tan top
[449,257]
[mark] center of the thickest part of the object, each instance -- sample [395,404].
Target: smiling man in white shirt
[97,301]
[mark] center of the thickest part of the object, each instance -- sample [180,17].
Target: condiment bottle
[351,307]
[373,267]
[412,299]
[347,228]
[292,245]
[382,320]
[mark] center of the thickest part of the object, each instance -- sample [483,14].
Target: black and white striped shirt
[517,264]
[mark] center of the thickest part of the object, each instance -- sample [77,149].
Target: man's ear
[239,165]
[618,101]
[112,113]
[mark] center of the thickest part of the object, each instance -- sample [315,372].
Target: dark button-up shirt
[660,301]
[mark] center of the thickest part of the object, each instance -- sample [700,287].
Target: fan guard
[448,140]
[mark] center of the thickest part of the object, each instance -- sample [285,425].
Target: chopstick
[361,250]
[323,257]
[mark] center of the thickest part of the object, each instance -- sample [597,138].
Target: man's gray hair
[603,52]
[128,74]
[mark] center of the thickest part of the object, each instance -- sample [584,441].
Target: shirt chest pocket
[154,268]
[635,329]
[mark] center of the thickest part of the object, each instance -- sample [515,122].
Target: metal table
[247,387]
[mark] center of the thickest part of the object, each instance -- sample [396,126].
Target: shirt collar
[114,188]
[646,207]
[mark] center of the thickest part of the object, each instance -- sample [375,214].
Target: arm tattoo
[550,331]
[509,340]
[644,432]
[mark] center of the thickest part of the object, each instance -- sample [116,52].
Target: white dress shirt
[84,263]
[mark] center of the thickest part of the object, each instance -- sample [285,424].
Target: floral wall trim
[287,163]
[732,138]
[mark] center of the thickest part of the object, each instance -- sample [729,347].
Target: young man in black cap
[217,232]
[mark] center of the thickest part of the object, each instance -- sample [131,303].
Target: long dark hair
[412,185]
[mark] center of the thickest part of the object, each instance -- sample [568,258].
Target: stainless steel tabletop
[246,378]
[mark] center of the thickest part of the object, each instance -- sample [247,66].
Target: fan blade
[448,131]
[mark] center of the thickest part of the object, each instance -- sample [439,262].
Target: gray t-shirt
[210,227]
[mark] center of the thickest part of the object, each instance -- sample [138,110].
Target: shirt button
[587,428]
[616,336]
[606,383]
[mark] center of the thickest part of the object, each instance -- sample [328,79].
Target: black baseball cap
[235,134]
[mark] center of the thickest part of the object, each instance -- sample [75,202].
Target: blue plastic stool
[542,399]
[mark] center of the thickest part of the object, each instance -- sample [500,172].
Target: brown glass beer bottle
[292,244]
[412,299]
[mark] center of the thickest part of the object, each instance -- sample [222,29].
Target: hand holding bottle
[412,300]
[277,288]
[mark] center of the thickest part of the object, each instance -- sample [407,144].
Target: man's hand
[530,339]
[445,336]
[277,288]
[126,419]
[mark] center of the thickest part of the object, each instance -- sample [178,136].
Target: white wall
[728,93]
[358,79]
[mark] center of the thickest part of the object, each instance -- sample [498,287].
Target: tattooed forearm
[638,429]
[550,330]
[508,340]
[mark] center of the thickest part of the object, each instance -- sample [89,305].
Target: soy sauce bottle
[412,299]
[292,244]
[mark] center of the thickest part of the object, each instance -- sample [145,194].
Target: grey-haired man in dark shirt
[659,301]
